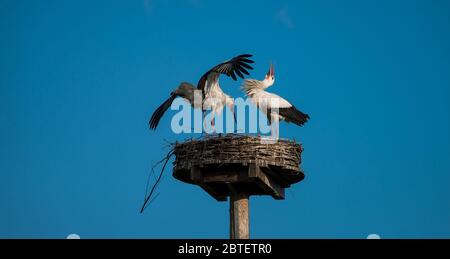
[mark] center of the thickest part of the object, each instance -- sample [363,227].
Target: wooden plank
[253,170]
[213,193]
[196,175]
[239,212]
[225,176]
[254,176]
[266,183]
[276,175]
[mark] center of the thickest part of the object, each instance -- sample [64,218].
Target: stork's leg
[209,123]
[274,129]
[203,123]
[276,132]
[213,124]
[203,119]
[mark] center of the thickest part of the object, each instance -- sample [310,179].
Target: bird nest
[281,160]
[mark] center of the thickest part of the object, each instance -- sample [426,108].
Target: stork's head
[270,77]
[184,89]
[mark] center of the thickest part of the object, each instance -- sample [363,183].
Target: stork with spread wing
[213,96]
[275,107]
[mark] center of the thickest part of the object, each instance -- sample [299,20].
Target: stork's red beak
[271,71]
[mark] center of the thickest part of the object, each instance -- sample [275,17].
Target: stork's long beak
[271,71]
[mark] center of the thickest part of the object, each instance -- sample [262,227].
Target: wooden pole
[239,224]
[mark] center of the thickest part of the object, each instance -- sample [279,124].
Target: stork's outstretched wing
[159,112]
[184,90]
[235,66]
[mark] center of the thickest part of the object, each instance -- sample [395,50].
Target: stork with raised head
[275,107]
[213,96]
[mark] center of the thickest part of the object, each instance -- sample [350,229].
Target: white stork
[213,96]
[272,105]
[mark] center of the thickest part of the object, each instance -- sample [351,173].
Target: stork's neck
[266,83]
[252,87]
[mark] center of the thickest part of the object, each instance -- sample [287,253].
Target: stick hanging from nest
[148,196]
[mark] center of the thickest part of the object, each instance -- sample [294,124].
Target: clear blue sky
[79,80]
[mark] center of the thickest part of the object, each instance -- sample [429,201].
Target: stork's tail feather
[293,115]
[302,118]
[157,115]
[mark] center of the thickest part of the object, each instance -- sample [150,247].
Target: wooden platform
[226,164]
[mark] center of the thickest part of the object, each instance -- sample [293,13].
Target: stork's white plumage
[213,97]
[275,107]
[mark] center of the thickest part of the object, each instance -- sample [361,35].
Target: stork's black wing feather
[235,66]
[293,115]
[239,73]
[159,112]
[245,65]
